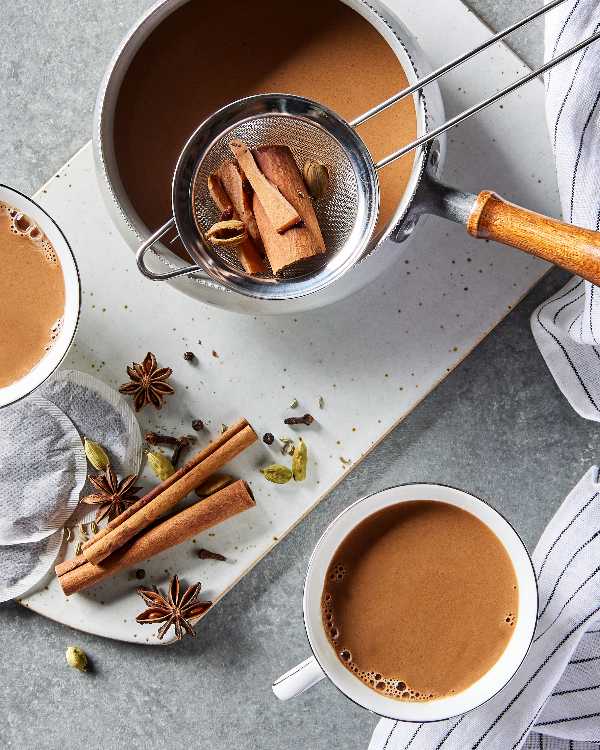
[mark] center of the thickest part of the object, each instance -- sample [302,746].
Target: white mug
[48,364]
[325,663]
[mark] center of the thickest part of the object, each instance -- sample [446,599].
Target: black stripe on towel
[567,527]
[576,690]
[570,718]
[587,122]
[564,570]
[560,35]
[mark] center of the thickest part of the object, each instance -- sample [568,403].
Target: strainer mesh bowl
[336,211]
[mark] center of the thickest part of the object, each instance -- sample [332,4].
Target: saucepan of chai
[277,196]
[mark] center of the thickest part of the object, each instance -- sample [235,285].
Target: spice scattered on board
[300,461]
[189,356]
[182,443]
[113,497]
[204,554]
[293,405]
[177,611]
[76,658]
[277,474]
[148,383]
[306,419]
[95,455]
[197,425]
[160,465]
[139,574]
[213,484]
[155,439]
[268,438]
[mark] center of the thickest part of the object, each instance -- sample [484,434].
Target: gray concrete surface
[497,426]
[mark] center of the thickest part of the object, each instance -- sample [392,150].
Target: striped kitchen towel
[567,326]
[553,702]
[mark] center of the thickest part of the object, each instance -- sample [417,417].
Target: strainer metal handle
[169,274]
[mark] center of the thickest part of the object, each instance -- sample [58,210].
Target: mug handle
[298,679]
[143,249]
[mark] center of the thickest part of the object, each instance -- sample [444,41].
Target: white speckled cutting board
[371,357]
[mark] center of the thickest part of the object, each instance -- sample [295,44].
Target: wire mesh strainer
[346,214]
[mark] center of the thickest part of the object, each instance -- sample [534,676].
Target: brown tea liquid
[32,295]
[207,54]
[420,600]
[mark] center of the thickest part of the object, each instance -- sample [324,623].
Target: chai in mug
[420,600]
[32,295]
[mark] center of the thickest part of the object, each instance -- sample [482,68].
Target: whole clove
[182,443]
[155,439]
[197,424]
[204,554]
[189,356]
[306,419]
[268,438]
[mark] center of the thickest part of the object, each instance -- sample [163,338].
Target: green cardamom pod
[95,455]
[277,474]
[300,461]
[76,658]
[213,484]
[160,465]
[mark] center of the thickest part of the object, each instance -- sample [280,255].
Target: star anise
[148,384]
[176,611]
[114,497]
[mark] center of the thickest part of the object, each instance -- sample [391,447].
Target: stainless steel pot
[422,195]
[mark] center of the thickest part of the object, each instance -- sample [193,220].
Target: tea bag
[23,565]
[42,470]
[102,415]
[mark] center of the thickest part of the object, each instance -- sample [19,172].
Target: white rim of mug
[64,341]
[392,700]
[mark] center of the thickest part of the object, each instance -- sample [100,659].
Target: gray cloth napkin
[553,702]
[567,326]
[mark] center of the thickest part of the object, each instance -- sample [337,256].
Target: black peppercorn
[189,356]
[139,574]
[197,425]
[268,438]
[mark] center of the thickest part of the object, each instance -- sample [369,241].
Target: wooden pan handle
[573,248]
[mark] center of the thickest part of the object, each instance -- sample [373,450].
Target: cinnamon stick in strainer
[247,254]
[300,245]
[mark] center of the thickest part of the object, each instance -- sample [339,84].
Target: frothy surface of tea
[32,295]
[420,600]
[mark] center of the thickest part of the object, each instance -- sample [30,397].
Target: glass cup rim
[48,364]
[485,688]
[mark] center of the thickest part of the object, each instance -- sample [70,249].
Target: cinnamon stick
[232,181]
[203,515]
[247,254]
[198,458]
[104,545]
[282,214]
[301,243]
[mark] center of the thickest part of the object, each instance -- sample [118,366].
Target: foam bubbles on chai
[32,295]
[420,600]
